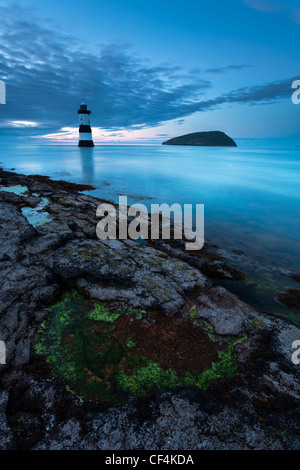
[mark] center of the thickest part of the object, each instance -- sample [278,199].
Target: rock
[14,231]
[180,420]
[291,298]
[139,275]
[295,277]
[226,313]
[6,435]
[219,270]
[68,437]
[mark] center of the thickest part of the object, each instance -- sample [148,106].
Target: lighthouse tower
[85,131]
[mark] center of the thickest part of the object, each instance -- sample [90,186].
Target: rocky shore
[225,376]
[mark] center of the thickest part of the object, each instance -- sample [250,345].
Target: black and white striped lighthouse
[85,131]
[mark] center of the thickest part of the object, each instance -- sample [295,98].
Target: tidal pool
[109,352]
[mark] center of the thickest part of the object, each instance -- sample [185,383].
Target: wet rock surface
[291,298]
[256,409]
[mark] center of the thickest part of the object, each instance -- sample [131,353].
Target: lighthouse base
[85,143]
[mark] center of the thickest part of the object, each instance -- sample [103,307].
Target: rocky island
[203,139]
[119,344]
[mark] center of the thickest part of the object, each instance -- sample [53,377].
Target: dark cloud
[260,93]
[227,68]
[47,74]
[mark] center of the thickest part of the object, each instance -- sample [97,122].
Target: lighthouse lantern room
[85,131]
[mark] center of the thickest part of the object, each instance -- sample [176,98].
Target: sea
[251,197]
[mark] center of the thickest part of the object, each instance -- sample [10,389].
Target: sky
[149,70]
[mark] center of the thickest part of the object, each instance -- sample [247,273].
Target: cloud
[21,124]
[259,94]
[228,68]
[47,74]
[266,6]
[265,93]
[263,5]
[295,16]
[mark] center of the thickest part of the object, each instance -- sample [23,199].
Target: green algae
[154,377]
[80,343]
[258,324]
[209,330]
[204,324]
[227,366]
[130,344]
[150,377]
[193,312]
[100,313]
[70,349]
[138,314]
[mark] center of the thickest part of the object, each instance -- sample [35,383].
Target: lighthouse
[85,131]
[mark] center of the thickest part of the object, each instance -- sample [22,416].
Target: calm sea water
[251,196]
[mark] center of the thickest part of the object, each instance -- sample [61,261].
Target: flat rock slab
[227,313]
[128,272]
